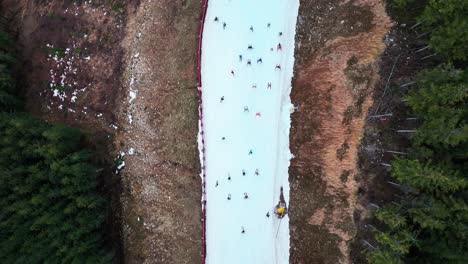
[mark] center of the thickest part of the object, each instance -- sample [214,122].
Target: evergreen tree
[428,177]
[8,100]
[49,211]
[440,101]
[446,19]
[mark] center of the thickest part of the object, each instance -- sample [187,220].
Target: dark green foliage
[430,223]
[49,211]
[432,178]
[8,100]
[441,102]
[447,20]
[383,256]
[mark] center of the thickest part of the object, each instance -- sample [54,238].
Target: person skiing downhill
[246,109]
[250,47]
[251,28]
[254,86]
[250,152]
[269,85]
[243,172]
[229,177]
[243,230]
[249,63]
[268,25]
[222,99]
[278,67]
[268,214]
[246,195]
[256,172]
[240,57]
[223,138]
[259,60]
[224,25]
[232,72]
[216,185]
[258,114]
[279,47]
[216,19]
[229,196]
[280,34]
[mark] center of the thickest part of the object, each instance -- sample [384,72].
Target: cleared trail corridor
[246,70]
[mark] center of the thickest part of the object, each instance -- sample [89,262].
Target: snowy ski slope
[238,139]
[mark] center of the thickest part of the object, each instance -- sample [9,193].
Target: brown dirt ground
[161,183]
[338,44]
[77,42]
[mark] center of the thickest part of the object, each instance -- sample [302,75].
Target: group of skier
[259,60]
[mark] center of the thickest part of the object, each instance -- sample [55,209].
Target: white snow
[264,129]
[121,165]
[133,95]
[130,119]
[131,151]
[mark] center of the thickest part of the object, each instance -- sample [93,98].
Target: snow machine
[280,209]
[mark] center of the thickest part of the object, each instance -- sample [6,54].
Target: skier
[216,19]
[216,184]
[224,25]
[223,138]
[251,28]
[269,85]
[250,152]
[232,72]
[256,172]
[278,67]
[250,47]
[280,34]
[229,177]
[268,25]
[222,99]
[240,57]
[246,196]
[243,172]
[279,47]
[259,60]
[249,63]
[254,86]
[243,230]
[229,196]
[268,214]
[258,114]
[246,109]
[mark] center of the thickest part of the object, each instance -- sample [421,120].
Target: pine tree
[440,100]
[383,256]
[428,177]
[49,211]
[446,19]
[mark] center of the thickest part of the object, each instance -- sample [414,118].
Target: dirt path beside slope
[337,47]
[158,117]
